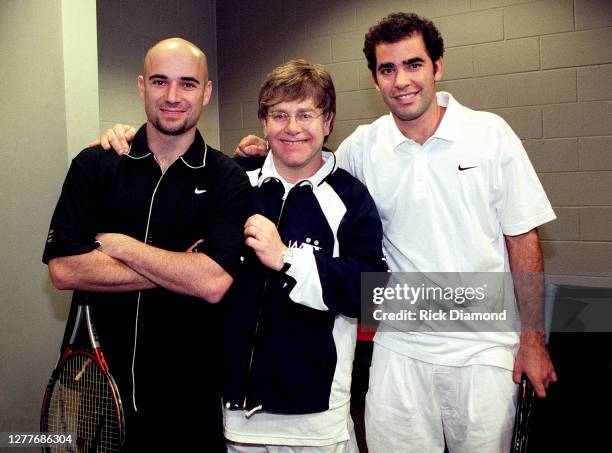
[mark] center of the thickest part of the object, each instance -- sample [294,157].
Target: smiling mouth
[293,142]
[172,112]
[406,96]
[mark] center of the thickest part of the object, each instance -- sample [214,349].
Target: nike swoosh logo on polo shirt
[199,191]
[465,168]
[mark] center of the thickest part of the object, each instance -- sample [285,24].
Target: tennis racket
[524,407]
[82,398]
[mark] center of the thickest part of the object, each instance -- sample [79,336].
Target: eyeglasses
[305,118]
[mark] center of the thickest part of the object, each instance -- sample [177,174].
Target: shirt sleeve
[225,239]
[524,204]
[72,230]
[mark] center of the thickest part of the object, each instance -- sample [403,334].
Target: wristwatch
[287,256]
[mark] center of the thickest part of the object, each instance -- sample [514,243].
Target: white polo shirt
[445,207]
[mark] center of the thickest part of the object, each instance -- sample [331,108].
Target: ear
[141,86]
[207,93]
[439,69]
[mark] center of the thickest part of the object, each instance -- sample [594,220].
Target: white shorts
[413,406]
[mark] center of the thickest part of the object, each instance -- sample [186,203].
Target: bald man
[151,239]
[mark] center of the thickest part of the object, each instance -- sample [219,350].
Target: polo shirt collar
[447,130]
[194,157]
[268,171]
[396,138]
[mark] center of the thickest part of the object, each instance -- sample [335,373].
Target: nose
[292,126]
[172,93]
[403,78]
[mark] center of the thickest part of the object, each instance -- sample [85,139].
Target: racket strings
[83,404]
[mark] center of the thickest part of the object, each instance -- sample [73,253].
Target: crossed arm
[192,274]
[526,264]
[122,263]
[95,271]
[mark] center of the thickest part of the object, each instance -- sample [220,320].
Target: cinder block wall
[126,30]
[545,66]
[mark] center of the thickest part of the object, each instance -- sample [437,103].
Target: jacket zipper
[263,292]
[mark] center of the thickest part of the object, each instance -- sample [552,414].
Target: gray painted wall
[36,129]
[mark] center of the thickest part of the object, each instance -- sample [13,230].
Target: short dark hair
[296,80]
[398,26]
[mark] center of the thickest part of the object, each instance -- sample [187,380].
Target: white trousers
[413,406]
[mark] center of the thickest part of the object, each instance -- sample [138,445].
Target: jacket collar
[268,171]
[194,157]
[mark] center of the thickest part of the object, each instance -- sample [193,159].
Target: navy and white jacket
[290,338]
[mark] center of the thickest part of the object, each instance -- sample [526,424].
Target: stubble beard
[172,131]
[175,129]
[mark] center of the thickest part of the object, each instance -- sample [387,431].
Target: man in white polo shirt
[456,193]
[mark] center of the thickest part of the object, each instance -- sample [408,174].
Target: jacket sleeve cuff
[307,290]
